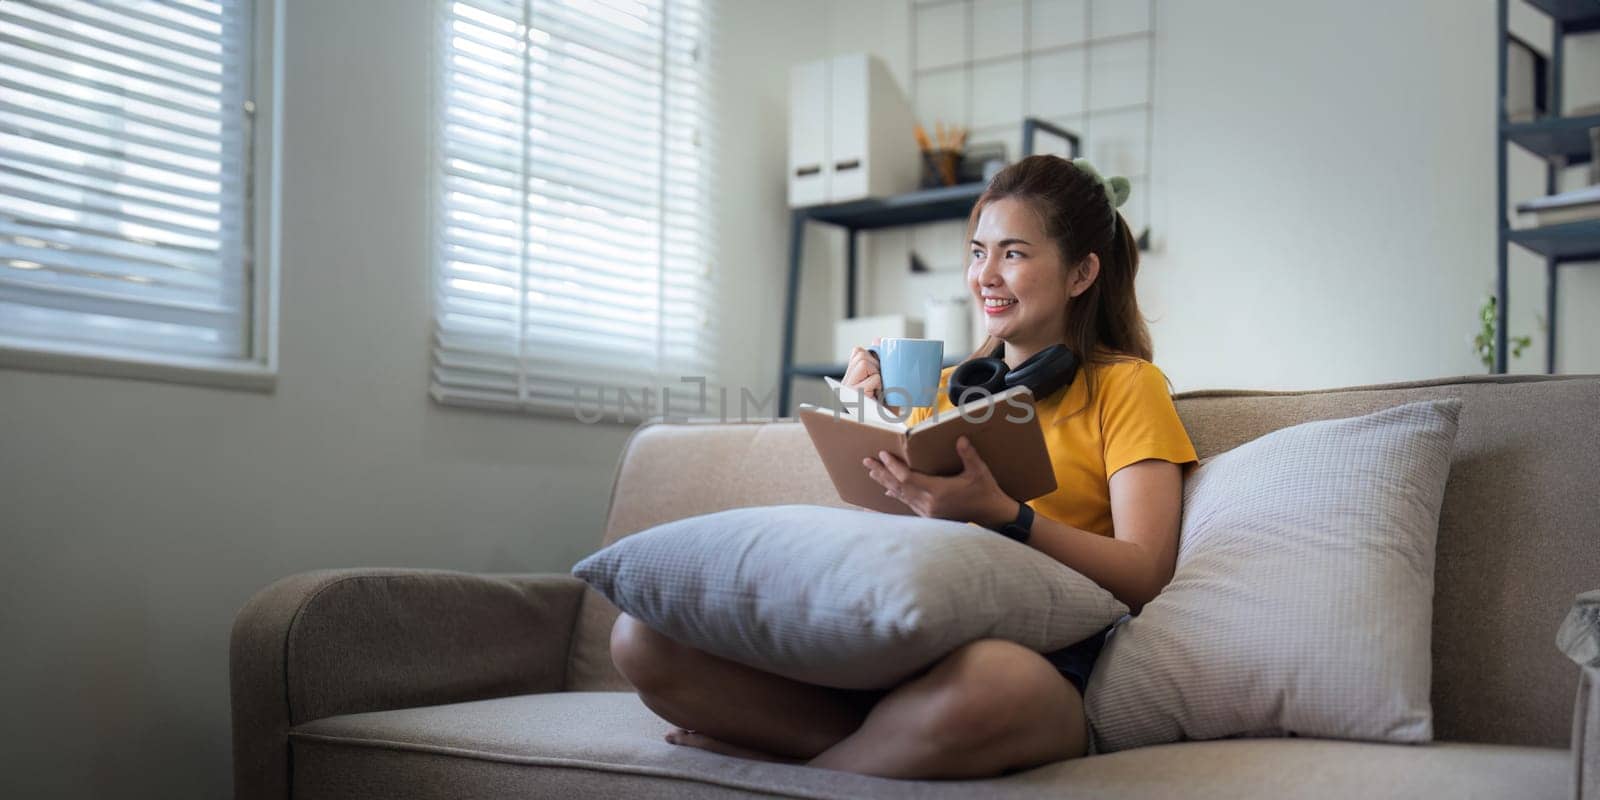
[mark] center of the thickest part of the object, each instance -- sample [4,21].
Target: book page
[856,406]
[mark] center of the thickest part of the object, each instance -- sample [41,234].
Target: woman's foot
[688,738]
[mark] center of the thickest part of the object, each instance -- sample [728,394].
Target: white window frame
[258,369]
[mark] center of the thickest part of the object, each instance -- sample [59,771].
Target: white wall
[1330,197]
[758,42]
[138,517]
[1324,195]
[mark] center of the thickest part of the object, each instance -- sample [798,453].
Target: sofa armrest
[1579,638]
[330,642]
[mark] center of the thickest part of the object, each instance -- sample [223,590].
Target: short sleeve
[941,402]
[918,415]
[1138,419]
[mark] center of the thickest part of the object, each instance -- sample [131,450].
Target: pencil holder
[939,167]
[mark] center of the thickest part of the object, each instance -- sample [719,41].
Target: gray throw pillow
[1302,604]
[843,597]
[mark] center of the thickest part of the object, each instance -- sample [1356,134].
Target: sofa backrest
[1519,531]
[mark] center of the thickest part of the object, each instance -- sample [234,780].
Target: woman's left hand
[968,496]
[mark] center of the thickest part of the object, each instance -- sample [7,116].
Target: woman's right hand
[862,373]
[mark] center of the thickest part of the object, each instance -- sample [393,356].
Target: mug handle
[873,349]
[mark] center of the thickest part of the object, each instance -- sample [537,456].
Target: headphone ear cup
[1045,372]
[988,374]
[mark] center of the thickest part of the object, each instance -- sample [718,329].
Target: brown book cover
[1014,450]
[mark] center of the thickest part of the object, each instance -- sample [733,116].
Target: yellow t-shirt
[1132,419]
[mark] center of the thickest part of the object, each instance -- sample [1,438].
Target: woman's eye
[977,254]
[1009,252]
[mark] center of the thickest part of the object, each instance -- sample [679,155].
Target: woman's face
[1015,273]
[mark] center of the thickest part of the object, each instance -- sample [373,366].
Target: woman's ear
[1083,276]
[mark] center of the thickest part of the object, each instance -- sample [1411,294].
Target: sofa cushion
[1303,593]
[843,597]
[608,744]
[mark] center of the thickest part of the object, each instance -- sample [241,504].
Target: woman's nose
[989,275]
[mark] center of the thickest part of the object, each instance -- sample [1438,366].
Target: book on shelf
[1575,206]
[1003,427]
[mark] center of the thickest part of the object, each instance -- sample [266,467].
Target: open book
[1014,449]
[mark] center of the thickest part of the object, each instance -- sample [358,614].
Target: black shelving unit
[924,205]
[1560,141]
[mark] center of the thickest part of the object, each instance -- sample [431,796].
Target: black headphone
[1044,373]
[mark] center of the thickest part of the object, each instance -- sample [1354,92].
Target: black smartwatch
[1020,528]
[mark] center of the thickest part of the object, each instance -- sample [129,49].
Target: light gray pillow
[843,597]
[1302,603]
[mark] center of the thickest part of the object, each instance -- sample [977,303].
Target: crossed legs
[988,708]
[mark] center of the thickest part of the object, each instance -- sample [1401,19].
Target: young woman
[1052,261]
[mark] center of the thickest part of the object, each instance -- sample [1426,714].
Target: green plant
[1483,343]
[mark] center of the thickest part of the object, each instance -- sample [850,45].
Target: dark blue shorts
[1075,661]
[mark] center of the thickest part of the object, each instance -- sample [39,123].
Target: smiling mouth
[995,305]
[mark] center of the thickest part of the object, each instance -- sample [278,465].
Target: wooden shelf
[836,371]
[1576,16]
[1569,241]
[911,208]
[1566,137]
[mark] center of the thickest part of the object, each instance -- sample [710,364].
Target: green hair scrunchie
[1117,188]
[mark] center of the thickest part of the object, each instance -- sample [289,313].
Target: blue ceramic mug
[910,370]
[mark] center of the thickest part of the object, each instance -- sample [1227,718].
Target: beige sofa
[409,683]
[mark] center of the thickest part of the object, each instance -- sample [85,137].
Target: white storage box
[859,331]
[851,132]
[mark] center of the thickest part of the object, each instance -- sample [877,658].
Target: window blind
[574,208]
[124,202]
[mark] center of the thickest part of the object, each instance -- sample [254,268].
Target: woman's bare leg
[722,700]
[991,707]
